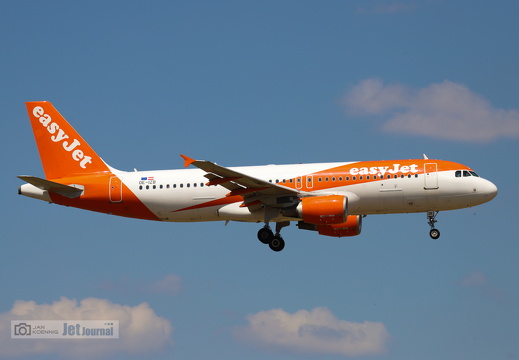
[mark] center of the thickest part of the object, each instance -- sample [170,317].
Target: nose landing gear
[431,217]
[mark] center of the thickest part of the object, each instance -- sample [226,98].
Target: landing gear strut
[275,241]
[431,216]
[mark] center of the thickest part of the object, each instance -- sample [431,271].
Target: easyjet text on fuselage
[382,170]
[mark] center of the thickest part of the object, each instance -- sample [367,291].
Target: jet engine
[323,210]
[351,227]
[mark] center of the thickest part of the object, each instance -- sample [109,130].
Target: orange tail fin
[63,152]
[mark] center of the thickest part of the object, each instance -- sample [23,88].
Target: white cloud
[474,279]
[141,331]
[478,280]
[170,285]
[313,332]
[446,110]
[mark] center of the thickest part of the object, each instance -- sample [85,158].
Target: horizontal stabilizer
[70,191]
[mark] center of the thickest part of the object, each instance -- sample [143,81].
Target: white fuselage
[181,195]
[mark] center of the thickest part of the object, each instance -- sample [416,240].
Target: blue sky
[252,83]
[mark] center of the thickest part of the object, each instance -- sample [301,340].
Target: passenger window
[154,187]
[181,185]
[367,177]
[140,187]
[161,186]
[147,187]
[347,178]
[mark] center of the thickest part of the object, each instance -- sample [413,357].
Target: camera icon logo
[22,329]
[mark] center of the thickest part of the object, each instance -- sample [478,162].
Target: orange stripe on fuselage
[356,173]
[96,198]
[365,172]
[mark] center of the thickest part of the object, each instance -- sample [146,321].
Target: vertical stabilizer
[63,152]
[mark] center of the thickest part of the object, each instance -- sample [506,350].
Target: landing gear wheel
[431,217]
[434,234]
[265,235]
[277,243]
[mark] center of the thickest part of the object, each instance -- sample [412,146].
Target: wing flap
[261,187]
[218,180]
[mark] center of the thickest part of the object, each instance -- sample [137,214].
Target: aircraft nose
[489,190]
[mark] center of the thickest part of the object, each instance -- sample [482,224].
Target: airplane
[330,198]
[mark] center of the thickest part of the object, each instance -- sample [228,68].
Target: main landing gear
[431,216]
[275,241]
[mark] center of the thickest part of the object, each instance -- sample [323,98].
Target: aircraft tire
[265,235]
[434,234]
[277,244]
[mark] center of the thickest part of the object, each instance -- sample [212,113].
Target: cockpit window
[465,173]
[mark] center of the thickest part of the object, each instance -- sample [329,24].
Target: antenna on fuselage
[425,157]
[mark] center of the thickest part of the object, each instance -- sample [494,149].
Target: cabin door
[115,189]
[431,176]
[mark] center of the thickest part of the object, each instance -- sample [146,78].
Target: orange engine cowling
[351,227]
[323,210]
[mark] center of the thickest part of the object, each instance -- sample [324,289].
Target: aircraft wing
[252,189]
